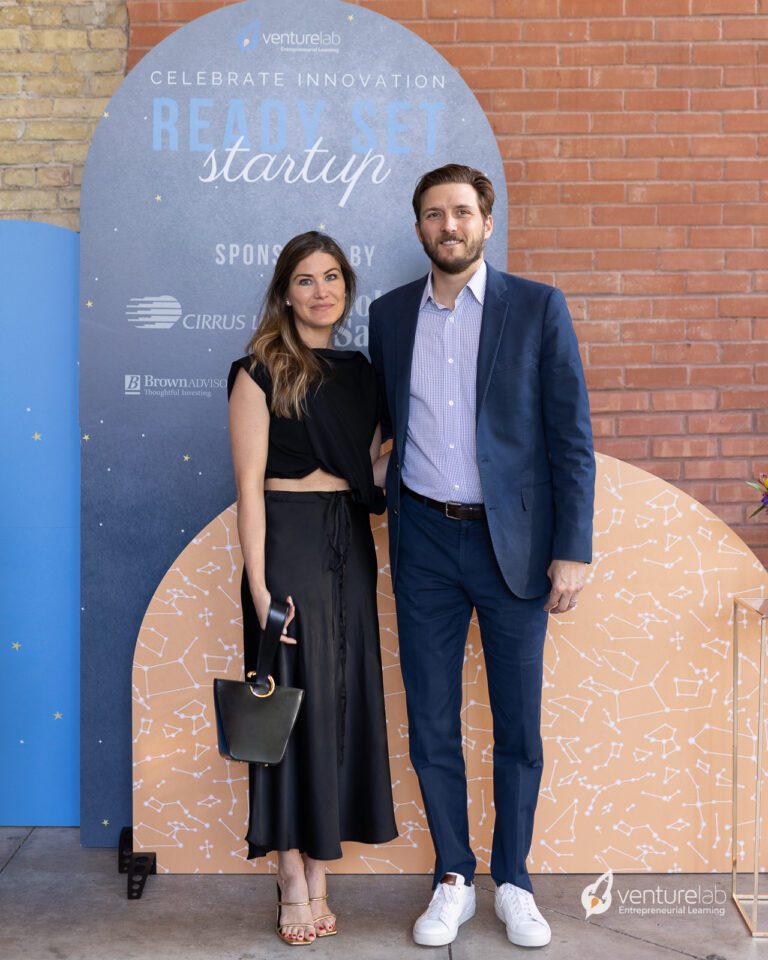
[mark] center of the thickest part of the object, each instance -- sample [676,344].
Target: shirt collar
[476,284]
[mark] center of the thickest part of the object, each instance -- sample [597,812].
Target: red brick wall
[635,138]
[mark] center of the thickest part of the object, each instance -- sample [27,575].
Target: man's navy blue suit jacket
[533,433]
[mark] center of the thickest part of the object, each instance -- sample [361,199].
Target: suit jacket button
[395,511]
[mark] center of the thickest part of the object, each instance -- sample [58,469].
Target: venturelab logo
[251,36]
[596,897]
[645,901]
[158,313]
[248,37]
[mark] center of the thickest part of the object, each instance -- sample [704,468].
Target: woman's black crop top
[335,434]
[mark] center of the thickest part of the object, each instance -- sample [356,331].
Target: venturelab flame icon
[248,36]
[596,897]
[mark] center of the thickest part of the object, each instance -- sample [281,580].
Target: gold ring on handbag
[255,692]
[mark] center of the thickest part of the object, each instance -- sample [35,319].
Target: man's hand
[567,578]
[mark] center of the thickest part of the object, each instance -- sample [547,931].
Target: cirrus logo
[158,313]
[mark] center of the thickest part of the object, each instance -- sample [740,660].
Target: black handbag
[254,718]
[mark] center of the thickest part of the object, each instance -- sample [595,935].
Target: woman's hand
[291,614]
[261,601]
[380,469]
[379,461]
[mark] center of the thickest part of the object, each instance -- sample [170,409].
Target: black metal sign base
[138,866]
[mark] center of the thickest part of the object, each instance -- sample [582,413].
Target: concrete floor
[59,901]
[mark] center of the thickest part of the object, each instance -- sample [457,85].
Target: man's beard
[473,250]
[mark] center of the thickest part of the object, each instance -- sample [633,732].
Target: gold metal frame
[758,605]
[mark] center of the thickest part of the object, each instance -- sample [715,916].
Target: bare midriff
[318,481]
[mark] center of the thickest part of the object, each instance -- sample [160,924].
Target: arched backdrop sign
[637,710]
[246,126]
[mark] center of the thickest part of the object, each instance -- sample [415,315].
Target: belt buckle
[448,505]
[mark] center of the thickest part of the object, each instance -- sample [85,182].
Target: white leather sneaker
[517,910]
[452,904]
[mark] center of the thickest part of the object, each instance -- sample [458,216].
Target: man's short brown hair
[456,173]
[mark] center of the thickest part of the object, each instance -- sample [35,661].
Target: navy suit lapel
[406,335]
[495,307]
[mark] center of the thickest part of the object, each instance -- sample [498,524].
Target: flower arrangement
[762,486]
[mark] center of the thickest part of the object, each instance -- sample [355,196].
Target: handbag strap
[270,638]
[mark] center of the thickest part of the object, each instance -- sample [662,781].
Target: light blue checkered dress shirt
[440,458]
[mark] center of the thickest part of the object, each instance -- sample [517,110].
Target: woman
[304,433]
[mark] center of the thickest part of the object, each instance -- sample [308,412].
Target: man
[490,490]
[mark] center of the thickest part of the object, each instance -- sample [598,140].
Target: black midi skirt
[333,783]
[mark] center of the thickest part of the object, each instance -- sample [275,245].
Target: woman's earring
[287,303]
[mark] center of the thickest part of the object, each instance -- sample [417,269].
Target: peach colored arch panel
[636,714]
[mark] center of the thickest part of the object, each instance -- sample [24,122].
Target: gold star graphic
[106,114]
[158,197]
[57,716]
[86,436]
[187,456]
[16,645]
[89,303]
[37,436]
[351,17]
[105,823]
[321,226]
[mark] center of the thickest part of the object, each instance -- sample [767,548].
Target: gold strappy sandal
[326,916]
[280,926]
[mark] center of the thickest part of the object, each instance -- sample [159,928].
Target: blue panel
[39,525]
[177,248]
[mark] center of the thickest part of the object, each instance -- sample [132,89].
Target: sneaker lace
[521,901]
[443,899]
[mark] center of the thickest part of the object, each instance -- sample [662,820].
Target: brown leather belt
[452,509]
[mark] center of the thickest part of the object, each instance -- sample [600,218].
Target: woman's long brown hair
[276,344]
